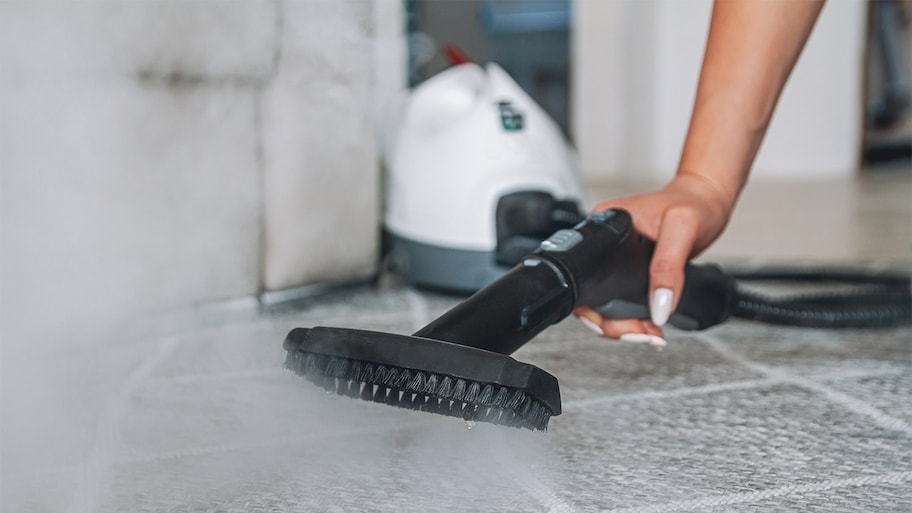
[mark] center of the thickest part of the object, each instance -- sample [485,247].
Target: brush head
[425,374]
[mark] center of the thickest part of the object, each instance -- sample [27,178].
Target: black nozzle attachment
[602,263]
[427,375]
[458,365]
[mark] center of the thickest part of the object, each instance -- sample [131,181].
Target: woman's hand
[750,52]
[683,219]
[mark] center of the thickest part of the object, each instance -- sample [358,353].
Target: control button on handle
[561,240]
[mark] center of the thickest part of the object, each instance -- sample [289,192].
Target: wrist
[712,193]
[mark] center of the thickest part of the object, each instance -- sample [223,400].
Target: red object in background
[455,55]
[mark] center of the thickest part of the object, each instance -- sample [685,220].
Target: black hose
[883,300]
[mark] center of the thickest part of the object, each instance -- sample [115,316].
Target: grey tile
[889,393]
[38,493]
[361,307]
[170,417]
[202,417]
[632,454]
[809,352]
[589,366]
[861,497]
[226,349]
[431,467]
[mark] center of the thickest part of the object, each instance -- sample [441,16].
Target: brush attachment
[457,365]
[425,374]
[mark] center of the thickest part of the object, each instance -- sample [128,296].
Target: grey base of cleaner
[438,267]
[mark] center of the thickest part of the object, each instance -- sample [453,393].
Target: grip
[609,266]
[705,301]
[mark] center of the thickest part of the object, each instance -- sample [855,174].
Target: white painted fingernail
[660,306]
[592,326]
[645,338]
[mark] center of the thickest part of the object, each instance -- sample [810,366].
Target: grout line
[588,402]
[851,403]
[543,494]
[701,504]
[217,376]
[532,485]
[261,444]
[94,469]
[676,392]
[225,448]
[856,405]
[856,374]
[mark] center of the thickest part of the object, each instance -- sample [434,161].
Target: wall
[321,176]
[158,155]
[635,69]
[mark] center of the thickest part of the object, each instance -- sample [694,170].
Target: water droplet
[470,424]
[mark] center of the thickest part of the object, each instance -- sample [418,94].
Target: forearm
[751,50]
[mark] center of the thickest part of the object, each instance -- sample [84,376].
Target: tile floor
[192,411]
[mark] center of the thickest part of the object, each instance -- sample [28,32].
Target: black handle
[612,271]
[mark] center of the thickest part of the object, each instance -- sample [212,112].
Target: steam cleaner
[477,176]
[459,364]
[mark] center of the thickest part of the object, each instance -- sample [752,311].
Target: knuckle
[664,266]
[685,214]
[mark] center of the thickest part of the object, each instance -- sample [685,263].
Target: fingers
[628,330]
[647,213]
[661,304]
[674,245]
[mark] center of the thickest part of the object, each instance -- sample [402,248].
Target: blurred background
[159,155]
[627,72]
[165,158]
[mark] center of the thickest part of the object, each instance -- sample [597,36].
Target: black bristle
[327,382]
[351,388]
[459,390]
[469,411]
[393,397]
[419,390]
[417,382]
[367,392]
[403,379]
[379,394]
[386,375]
[516,399]
[431,405]
[306,363]
[486,397]
[500,398]
[417,402]
[445,395]
[471,395]
[354,370]
[367,373]
[525,408]
[338,367]
[446,387]
[430,386]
